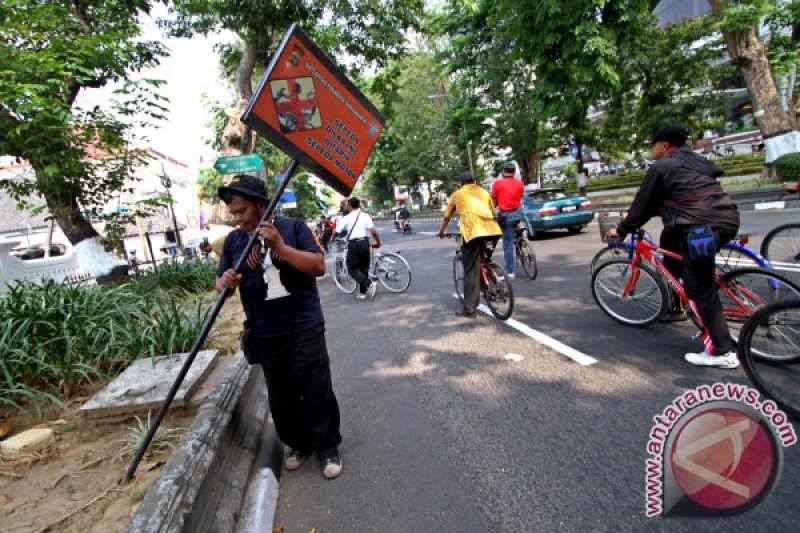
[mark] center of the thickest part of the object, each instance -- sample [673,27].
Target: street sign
[238,164]
[308,108]
[288,198]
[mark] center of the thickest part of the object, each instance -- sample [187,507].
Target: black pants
[699,280]
[470,258]
[358,263]
[301,399]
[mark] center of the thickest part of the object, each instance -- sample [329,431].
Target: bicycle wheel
[458,277]
[393,272]
[498,293]
[775,330]
[743,291]
[614,250]
[640,304]
[731,257]
[781,247]
[342,278]
[527,259]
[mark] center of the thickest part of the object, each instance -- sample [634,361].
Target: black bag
[246,345]
[700,242]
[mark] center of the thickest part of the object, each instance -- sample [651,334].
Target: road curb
[217,473]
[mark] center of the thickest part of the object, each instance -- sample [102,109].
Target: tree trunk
[531,165]
[89,252]
[237,138]
[749,53]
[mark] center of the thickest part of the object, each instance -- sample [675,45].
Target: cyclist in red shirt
[507,195]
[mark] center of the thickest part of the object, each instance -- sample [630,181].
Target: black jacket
[682,189]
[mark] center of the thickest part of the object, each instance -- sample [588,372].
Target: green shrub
[787,167]
[189,277]
[56,337]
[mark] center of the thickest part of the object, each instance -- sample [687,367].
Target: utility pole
[167,183]
[469,155]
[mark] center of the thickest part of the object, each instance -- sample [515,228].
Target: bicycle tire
[614,250]
[458,277]
[781,247]
[498,293]
[393,272]
[774,329]
[527,259]
[342,278]
[731,257]
[644,306]
[745,290]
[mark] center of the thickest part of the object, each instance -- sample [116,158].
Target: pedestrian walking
[284,334]
[356,227]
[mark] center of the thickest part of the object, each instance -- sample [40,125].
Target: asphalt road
[443,431]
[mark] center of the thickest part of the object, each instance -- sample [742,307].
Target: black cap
[249,186]
[674,134]
[466,177]
[510,168]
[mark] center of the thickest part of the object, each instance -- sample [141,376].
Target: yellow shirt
[475,212]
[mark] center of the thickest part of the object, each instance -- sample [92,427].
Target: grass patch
[56,337]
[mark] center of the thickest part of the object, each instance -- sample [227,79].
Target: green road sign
[387,203]
[236,164]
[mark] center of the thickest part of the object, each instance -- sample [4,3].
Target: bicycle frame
[484,259]
[643,249]
[735,244]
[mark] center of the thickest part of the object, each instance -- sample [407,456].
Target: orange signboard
[309,109]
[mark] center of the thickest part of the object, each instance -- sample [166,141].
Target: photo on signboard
[295,101]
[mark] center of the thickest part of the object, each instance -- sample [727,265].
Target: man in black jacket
[682,188]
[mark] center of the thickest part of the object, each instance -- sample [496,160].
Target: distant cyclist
[507,195]
[401,216]
[476,220]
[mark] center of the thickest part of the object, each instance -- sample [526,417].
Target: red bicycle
[635,291]
[495,285]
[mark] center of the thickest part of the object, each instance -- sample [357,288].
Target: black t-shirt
[300,310]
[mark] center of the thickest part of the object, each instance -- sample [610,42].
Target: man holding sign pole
[285,322]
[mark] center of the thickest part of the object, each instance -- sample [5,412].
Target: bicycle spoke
[393,272]
[770,351]
[498,292]
[781,247]
[636,305]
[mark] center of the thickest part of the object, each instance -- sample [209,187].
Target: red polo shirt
[507,193]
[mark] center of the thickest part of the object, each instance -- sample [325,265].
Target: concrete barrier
[215,480]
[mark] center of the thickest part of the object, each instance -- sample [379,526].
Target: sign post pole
[198,343]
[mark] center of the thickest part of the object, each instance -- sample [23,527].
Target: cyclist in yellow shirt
[477,225]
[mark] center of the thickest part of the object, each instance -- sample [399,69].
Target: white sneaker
[372,290]
[729,360]
[332,467]
[295,460]
[512,276]
[362,296]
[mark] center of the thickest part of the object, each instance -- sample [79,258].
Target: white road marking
[769,205]
[567,351]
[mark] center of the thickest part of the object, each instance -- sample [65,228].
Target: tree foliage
[415,146]
[366,32]
[51,51]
